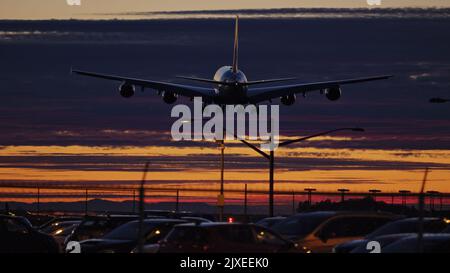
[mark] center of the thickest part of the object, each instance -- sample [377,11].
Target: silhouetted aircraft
[232,86]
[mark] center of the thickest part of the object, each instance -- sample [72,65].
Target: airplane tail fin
[236,46]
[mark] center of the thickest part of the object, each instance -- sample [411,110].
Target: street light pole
[271,182]
[271,157]
[86,202]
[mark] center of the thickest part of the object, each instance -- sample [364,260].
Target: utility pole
[374,194]
[245,203]
[134,201]
[343,191]
[293,202]
[421,213]
[309,191]
[404,193]
[38,201]
[221,197]
[177,202]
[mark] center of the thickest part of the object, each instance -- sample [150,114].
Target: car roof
[213,224]
[427,236]
[160,221]
[344,213]
[415,219]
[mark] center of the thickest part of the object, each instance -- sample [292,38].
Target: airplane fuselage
[233,93]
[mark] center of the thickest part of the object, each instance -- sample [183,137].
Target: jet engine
[127,90]
[288,100]
[169,97]
[333,93]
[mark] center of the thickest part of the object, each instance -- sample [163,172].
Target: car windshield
[129,231]
[408,226]
[300,225]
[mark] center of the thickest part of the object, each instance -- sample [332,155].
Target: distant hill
[100,205]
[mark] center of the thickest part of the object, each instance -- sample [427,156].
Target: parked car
[18,236]
[270,221]
[124,238]
[432,243]
[97,226]
[321,231]
[405,226]
[176,214]
[60,230]
[223,238]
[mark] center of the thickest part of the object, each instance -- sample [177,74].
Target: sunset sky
[90,9]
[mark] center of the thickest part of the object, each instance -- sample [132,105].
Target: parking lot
[161,231]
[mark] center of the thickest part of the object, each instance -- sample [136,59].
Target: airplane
[231,85]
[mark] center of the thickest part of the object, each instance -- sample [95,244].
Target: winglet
[236,46]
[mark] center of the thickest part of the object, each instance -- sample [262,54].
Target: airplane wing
[260,94]
[233,83]
[180,89]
